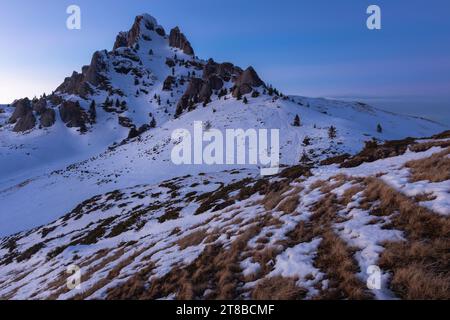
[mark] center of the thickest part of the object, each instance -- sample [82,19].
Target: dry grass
[421,147]
[192,239]
[434,169]
[423,197]
[420,266]
[278,288]
[373,151]
[420,270]
[336,259]
[216,269]
[277,190]
[271,200]
[289,204]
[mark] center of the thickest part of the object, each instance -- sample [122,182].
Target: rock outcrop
[130,38]
[39,105]
[48,118]
[92,76]
[21,108]
[168,83]
[179,40]
[248,80]
[72,114]
[225,71]
[214,77]
[23,116]
[25,123]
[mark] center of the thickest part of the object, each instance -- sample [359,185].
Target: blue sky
[312,48]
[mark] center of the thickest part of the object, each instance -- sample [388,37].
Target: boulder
[179,40]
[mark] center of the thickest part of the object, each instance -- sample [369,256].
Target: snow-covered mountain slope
[110,128]
[303,234]
[60,156]
[147,159]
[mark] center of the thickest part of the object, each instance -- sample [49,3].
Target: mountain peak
[143,24]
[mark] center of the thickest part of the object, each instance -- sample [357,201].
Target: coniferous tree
[306,141]
[153,123]
[379,128]
[332,133]
[255,94]
[296,121]
[305,158]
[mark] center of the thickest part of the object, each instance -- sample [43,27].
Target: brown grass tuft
[289,204]
[278,288]
[434,169]
[192,239]
[420,265]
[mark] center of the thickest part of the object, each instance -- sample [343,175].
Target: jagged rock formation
[214,77]
[248,80]
[39,105]
[130,38]
[178,40]
[23,116]
[72,114]
[48,118]
[225,71]
[188,79]
[91,76]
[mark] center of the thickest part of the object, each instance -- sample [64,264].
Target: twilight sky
[313,48]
